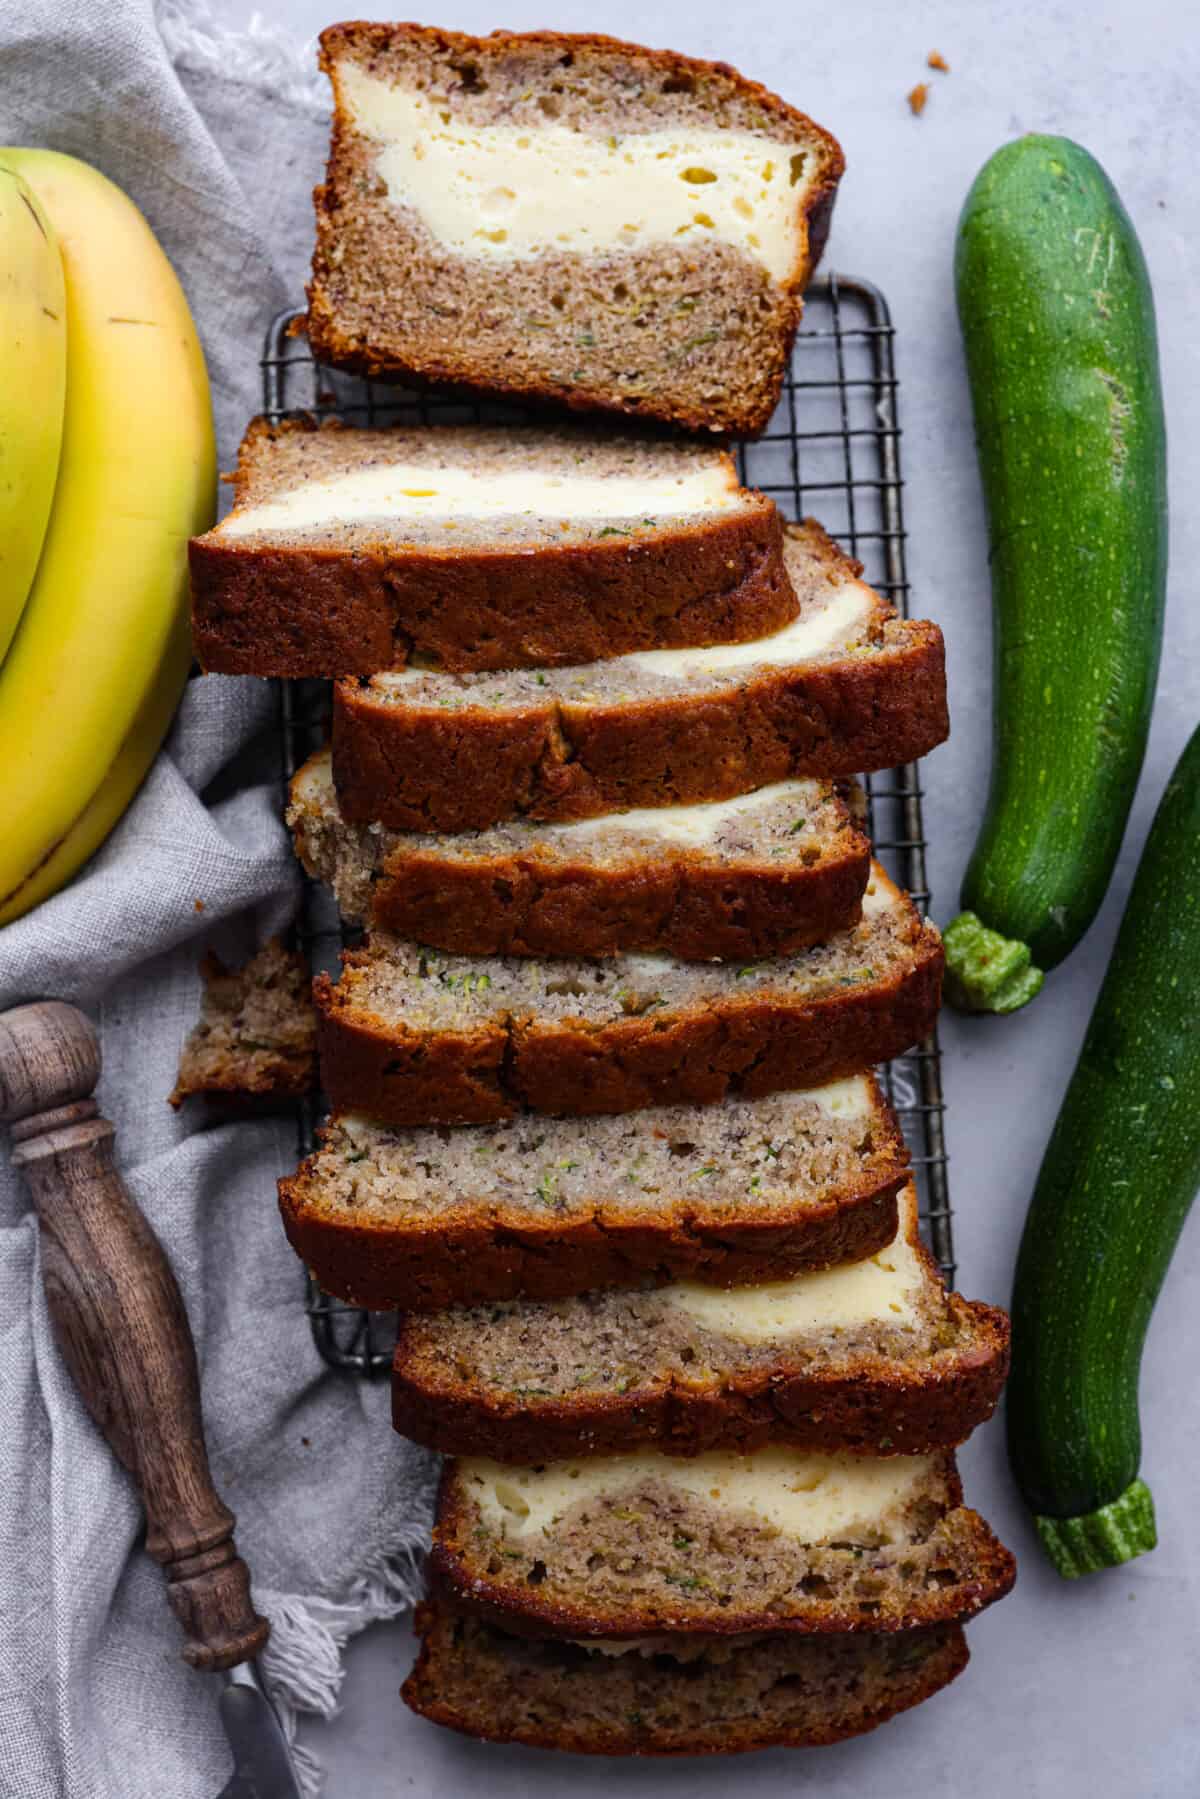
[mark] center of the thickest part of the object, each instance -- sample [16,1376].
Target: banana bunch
[33,385]
[94,586]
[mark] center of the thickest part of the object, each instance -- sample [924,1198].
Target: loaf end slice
[565,218]
[424,1219]
[712,1698]
[873,1356]
[720,1544]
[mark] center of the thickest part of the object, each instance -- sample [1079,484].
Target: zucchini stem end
[1112,1534]
[986,972]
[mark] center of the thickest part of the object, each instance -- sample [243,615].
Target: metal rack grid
[832,450]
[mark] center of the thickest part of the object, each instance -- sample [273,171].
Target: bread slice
[847,688]
[423,1219]
[413,1036]
[872,1356]
[710,1697]
[256,1037]
[478,547]
[759,875]
[566,218]
[722,1544]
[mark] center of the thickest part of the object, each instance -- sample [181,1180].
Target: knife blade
[262,1761]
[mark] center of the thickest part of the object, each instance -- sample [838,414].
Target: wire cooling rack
[832,451]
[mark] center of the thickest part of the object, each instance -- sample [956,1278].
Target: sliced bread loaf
[422,1219]
[256,1037]
[759,875]
[720,1543]
[477,547]
[872,1355]
[666,1697]
[565,217]
[413,1036]
[846,688]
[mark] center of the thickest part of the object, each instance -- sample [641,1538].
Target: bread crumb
[256,1036]
[918,97]
[936,60]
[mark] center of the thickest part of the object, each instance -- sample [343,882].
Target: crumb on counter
[936,60]
[918,97]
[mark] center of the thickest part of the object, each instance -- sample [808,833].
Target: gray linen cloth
[220,153]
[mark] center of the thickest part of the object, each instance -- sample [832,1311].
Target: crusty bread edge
[472,1262]
[425,1692]
[404,766]
[269,607]
[754,1045]
[867,1402]
[686,903]
[528,1611]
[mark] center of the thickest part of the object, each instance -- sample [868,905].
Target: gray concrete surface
[1073,1689]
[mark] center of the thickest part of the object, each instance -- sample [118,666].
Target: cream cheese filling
[814,1498]
[694,824]
[881,895]
[417,493]
[845,612]
[509,192]
[885,1289]
[832,625]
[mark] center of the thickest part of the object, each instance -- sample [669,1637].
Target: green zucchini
[1119,1175]
[1058,323]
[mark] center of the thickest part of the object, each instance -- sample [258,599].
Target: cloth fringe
[263,56]
[303,1662]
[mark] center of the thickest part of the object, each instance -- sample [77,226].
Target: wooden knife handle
[121,1325]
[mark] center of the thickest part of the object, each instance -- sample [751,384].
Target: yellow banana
[137,478]
[110,801]
[33,380]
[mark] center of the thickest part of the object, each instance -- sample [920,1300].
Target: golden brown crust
[286,609]
[782,1693]
[420,768]
[693,908]
[424,1265]
[491,1069]
[864,1402]
[743,413]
